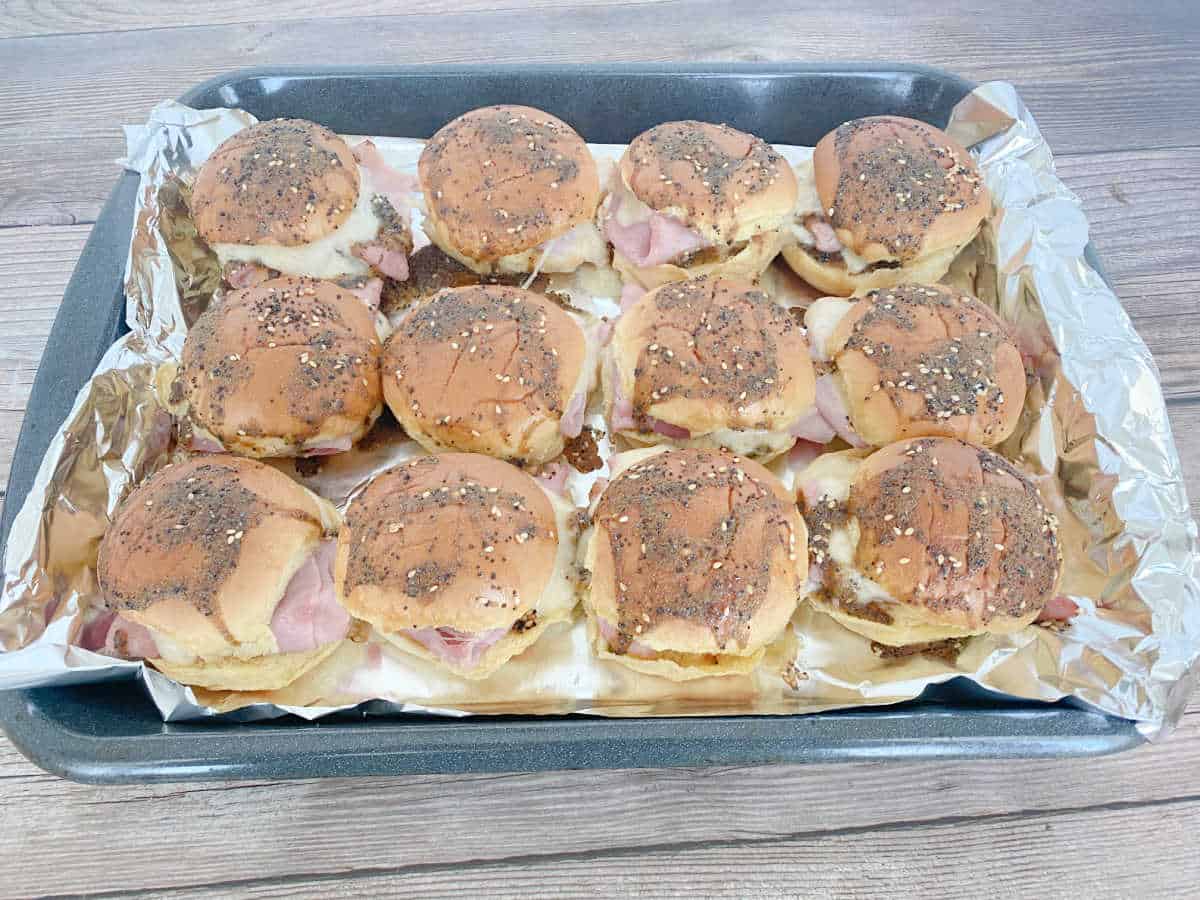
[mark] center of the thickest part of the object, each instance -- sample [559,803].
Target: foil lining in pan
[1095,436]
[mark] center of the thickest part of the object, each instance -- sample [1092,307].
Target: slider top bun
[486,368]
[898,189]
[202,552]
[722,183]
[710,354]
[457,540]
[285,181]
[286,364]
[927,360]
[501,180]
[695,552]
[956,536]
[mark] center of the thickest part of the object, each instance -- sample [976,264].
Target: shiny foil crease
[1095,437]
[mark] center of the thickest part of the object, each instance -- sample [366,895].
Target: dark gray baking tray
[112,733]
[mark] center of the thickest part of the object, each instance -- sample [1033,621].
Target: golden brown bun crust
[710,353]
[724,560]
[244,192]
[215,581]
[916,335]
[487,369]
[259,673]
[722,183]
[457,540]
[983,554]
[501,180]
[281,363]
[921,192]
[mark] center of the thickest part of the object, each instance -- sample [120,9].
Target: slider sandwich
[489,369]
[291,196]
[289,367]
[512,190]
[926,540]
[696,560]
[708,362]
[885,201]
[693,198]
[460,559]
[912,360]
[220,573]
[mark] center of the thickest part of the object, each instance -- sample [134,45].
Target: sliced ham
[631,293]
[245,274]
[812,427]
[369,291]
[130,640]
[328,448]
[397,186]
[636,648]
[309,615]
[833,408]
[571,423]
[668,430]
[460,648]
[803,452]
[1059,609]
[391,262]
[622,409]
[553,476]
[824,237]
[202,443]
[93,634]
[652,241]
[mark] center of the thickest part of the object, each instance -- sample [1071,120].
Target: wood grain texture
[1082,67]
[312,836]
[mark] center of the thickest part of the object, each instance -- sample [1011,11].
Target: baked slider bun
[926,540]
[460,559]
[220,571]
[696,561]
[291,196]
[489,369]
[886,200]
[289,367]
[708,362]
[512,189]
[694,198]
[914,360]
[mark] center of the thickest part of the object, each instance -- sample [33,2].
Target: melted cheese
[821,320]
[329,257]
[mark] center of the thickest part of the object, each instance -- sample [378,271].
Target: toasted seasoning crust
[285,182]
[280,359]
[501,180]
[697,535]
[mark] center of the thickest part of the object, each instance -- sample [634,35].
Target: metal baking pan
[112,733]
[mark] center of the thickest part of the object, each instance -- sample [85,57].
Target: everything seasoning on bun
[886,200]
[219,571]
[290,196]
[489,369]
[926,540]
[913,360]
[693,198]
[512,189]
[696,560]
[708,362]
[289,367]
[460,559]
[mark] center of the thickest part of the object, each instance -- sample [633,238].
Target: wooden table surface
[1117,93]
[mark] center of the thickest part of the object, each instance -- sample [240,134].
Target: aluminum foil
[1095,436]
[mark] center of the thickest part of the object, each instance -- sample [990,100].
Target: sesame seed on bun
[926,540]
[886,200]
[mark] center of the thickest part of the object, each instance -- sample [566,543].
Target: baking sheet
[1096,436]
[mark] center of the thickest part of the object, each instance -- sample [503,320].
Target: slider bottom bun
[511,645]
[677,666]
[762,446]
[260,673]
[835,279]
[746,264]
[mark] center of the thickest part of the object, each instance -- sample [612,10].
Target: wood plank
[1090,853]
[330,829]
[56,169]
